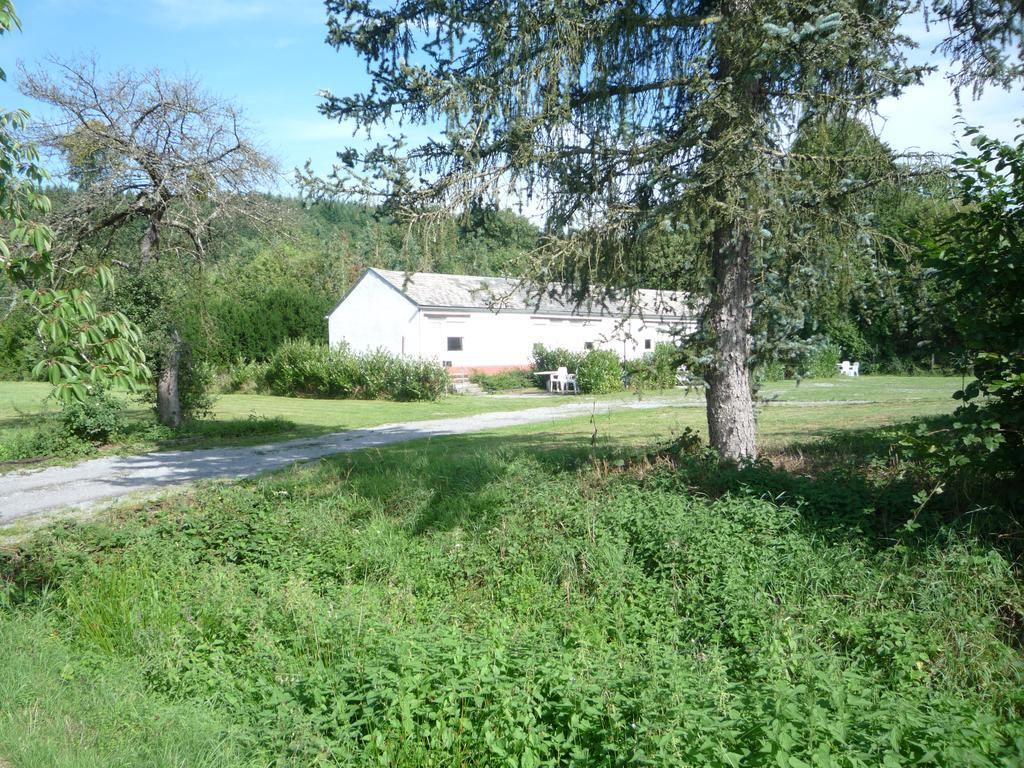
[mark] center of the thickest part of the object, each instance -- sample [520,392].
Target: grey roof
[430,290]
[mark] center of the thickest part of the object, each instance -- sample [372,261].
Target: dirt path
[27,493]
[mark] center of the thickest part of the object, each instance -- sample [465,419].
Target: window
[647,344]
[588,345]
[454,343]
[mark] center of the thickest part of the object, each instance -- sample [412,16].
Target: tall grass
[440,604]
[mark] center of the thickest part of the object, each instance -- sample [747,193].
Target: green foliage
[241,376]
[19,347]
[600,372]
[447,605]
[43,442]
[253,326]
[97,419]
[83,346]
[981,265]
[822,361]
[773,370]
[506,380]
[551,359]
[597,370]
[307,369]
[656,369]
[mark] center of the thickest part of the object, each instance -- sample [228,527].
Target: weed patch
[457,606]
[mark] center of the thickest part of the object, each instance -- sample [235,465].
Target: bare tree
[141,148]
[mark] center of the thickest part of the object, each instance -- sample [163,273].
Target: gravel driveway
[27,493]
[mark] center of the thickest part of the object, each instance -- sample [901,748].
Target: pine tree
[623,120]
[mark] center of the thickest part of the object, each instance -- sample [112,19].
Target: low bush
[97,419]
[506,380]
[302,368]
[656,369]
[240,376]
[553,358]
[43,443]
[597,370]
[821,362]
[773,370]
[600,372]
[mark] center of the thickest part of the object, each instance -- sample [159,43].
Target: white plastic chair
[855,369]
[557,381]
[570,383]
[844,368]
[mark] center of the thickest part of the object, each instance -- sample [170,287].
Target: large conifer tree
[622,120]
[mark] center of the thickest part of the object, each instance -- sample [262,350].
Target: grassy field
[556,594]
[239,419]
[26,410]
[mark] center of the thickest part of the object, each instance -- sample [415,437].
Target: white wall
[508,338]
[375,315]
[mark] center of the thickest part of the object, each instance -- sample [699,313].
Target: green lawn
[543,595]
[26,409]
[28,428]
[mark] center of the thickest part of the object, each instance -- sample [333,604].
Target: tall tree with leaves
[620,120]
[151,153]
[84,347]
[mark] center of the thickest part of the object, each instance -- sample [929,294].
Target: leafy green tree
[981,265]
[84,348]
[147,151]
[620,120]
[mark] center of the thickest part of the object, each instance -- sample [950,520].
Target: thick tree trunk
[730,406]
[168,401]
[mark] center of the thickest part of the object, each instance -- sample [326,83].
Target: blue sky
[269,57]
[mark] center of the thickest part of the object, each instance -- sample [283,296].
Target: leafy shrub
[656,369]
[822,361]
[845,334]
[241,376]
[600,371]
[20,445]
[551,359]
[773,370]
[98,419]
[499,382]
[597,370]
[302,368]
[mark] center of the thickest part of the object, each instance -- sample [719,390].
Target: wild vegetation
[518,599]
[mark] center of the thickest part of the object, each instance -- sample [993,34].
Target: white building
[490,324]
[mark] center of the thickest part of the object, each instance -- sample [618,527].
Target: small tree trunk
[731,428]
[168,401]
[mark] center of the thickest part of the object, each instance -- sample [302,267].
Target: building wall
[374,315]
[503,340]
